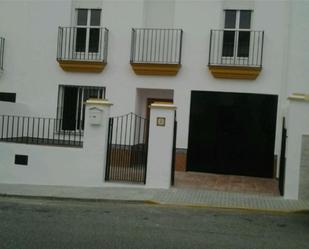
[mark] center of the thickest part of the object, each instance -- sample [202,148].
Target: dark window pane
[245,19]
[81,39]
[69,108]
[82,16]
[230,19]
[94,40]
[95,17]
[8,97]
[228,43]
[243,44]
[79,108]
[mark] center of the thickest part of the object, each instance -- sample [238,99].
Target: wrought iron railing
[236,48]
[1,52]
[82,44]
[37,130]
[162,46]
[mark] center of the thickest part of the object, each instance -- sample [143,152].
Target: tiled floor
[230,183]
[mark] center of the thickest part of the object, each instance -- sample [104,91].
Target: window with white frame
[236,37]
[88,30]
[71,105]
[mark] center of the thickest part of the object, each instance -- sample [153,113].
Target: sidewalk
[174,196]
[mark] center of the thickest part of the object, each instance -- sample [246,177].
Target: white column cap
[163,105]
[93,101]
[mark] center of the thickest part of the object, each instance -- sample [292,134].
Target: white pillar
[160,145]
[96,131]
[297,126]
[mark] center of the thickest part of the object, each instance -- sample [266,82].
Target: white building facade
[229,66]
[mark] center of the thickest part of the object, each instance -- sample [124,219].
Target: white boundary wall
[67,166]
[56,165]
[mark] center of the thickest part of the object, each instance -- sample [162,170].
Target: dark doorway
[232,133]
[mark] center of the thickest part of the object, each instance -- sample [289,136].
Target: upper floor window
[236,37]
[88,23]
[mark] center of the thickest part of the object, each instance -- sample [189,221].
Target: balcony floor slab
[235,72]
[155,69]
[82,66]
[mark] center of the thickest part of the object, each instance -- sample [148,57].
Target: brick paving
[230,183]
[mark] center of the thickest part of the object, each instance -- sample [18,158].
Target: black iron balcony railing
[1,52]
[158,46]
[82,44]
[236,48]
[37,130]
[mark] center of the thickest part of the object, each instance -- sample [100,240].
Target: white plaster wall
[31,70]
[49,165]
[298,63]
[19,109]
[159,14]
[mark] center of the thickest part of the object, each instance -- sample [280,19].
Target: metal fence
[1,52]
[84,44]
[127,149]
[37,130]
[156,46]
[236,48]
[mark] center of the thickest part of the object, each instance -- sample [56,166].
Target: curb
[155,202]
[245,209]
[62,198]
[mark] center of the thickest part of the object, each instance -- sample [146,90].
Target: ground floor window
[71,107]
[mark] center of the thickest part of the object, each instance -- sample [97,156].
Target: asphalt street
[51,224]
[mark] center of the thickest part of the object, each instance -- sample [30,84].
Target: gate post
[160,145]
[96,132]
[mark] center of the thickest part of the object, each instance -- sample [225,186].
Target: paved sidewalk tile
[229,200]
[172,196]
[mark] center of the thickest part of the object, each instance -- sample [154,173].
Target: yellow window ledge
[82,66]
[235,72]
[155,69]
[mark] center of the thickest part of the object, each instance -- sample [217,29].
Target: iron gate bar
[109,135]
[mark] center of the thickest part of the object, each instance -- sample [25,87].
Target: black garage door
[232,133]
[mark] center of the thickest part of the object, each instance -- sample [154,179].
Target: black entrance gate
[127,148]
[232,133]
[282,159]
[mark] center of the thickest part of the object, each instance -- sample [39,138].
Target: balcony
[1,53]
[156,51]
[82,49]
[236,54]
